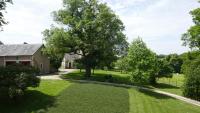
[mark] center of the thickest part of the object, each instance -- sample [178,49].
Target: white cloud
[159,22]
[27,19]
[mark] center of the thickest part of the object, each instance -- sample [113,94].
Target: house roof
[71,56]
[19,49]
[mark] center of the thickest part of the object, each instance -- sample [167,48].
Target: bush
[142,62]
[14,80]
[191,87]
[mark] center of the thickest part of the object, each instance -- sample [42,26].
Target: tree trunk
[152,80]
[93,71]
[88,71]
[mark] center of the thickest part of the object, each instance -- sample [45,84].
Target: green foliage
[165,69]
[122,64]
[2,8]
[192,80]
[14,80]
[188,58]
[175,62]
[192,37]
[90,27]
[55,47]
[143,62]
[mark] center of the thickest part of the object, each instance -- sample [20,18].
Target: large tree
[192,36]
[89,28]
[2,8]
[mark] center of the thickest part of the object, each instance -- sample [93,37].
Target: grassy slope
[65,97]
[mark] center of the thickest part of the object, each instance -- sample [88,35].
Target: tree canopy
[90,27]
[2,8]
[192,36]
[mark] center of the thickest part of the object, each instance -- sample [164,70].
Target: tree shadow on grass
[101,77]
[154,94]
[32,101]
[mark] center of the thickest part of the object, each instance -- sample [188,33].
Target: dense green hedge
[14,80]
[191,87]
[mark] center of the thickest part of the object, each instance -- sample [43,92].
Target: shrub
[191,87]
[142,62]
[14,80]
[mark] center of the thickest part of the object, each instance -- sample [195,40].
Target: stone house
[26,54]
[69,60]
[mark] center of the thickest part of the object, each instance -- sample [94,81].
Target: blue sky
[159,22]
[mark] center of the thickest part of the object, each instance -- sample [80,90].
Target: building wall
[68,61]
[18,58]
[41,61]
[1,61]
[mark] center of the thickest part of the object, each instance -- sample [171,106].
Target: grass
[35,99]
[90,98]
[142,101]
[172,85]
[66,97]
[102,76]
[177,80]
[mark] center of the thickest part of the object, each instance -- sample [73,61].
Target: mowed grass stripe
[142,101]
[92,98]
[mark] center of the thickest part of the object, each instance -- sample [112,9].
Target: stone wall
[41,61]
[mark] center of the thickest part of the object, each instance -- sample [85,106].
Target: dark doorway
[9,63]
[70,65]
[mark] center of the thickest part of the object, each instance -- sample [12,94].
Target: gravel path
[56,76]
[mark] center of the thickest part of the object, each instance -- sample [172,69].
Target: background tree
[122,64]
[2,8]
[192,36]
[56,39]
[90,27]
[191,67]
[143,62]
[175,62]
[165,69]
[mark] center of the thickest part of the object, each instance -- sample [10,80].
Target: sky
[160,23]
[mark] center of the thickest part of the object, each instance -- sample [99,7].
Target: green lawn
[172,85]
[102,76]
[66,97]
[35,99]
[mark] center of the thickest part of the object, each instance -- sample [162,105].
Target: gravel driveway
[56,76]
